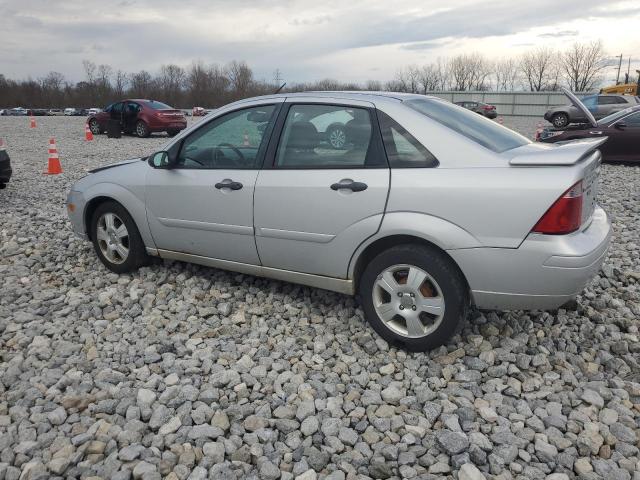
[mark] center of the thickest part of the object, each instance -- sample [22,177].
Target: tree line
[580,67]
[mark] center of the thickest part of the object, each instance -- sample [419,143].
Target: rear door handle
[230,184]
[349,185]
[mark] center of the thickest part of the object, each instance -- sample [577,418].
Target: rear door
[316,202]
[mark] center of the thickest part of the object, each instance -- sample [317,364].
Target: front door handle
[230,184]
[349,185]
[595,132]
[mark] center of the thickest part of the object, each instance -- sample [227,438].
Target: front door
[204,204]
[624,139]
[317,200]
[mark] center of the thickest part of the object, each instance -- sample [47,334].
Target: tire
[443,284]
[142,130]
[94,126]
[173,133]
[115,260]
[337,137]
[560,120]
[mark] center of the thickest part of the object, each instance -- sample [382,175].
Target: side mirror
[621,125]
[159,160]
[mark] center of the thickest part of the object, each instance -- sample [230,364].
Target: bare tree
[170,82]
[506,72]
[120,83]
[538,68]
[583,64]
[469,72]
[240,78]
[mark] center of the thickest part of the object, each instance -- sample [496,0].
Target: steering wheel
[217,152]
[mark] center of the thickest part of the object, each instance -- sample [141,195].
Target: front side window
[232,141]
[469,124]
[633,120]
[403,149]
[325,136]
[589,102]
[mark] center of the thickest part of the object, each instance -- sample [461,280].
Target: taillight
[489,107]
[565,215]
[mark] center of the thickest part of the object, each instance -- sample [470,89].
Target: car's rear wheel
[142,130]
[116,238]
[94,126]
[414,296]
[337,137]
[560,120]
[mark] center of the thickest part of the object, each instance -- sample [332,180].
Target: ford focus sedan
[425,209]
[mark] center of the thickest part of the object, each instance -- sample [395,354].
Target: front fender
[441,233]
[133,203]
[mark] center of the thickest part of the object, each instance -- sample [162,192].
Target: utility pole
[619,66]
[277,76]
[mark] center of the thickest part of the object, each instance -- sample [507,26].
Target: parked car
[18,111]
[622,130]
[198,112]
[55,112]
[485,109]
[426,209]
[5,166]
[141,117]
[3,112]
[93,111]
[598,105]
[37,112]
[69,112]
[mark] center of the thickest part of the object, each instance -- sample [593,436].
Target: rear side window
[633,120]
[403,150]
[465,122]
[609,100]
[327,136]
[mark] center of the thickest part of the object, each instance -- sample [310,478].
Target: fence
[521,104]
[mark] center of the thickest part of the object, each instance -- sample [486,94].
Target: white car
[69,112]
[94,111]
[423,208]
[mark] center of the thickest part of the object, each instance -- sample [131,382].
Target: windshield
[158,105]
[473,126]
[615,116]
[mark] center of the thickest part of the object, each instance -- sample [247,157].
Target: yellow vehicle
[624,88]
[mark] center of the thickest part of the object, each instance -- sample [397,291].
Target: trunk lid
[581,155]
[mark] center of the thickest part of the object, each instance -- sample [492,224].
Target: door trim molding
[208,226]
[339,285]
[293,235]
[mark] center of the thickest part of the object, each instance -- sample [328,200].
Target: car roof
[366,96]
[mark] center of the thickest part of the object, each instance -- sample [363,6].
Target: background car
[599,105]
[622,130]
[55,112]
[69,112]
[37,112]
[17,112]
[2,112]
[400,213]
[93,111]
[485,109]
[140,117]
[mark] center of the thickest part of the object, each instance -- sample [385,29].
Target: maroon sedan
[140,117]
[622,129]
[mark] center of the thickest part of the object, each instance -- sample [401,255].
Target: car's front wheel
[173,133]
[414,296]
[94,126]
[116,238]
[142,130]
[560,120]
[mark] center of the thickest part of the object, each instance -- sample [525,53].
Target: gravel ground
[185,372]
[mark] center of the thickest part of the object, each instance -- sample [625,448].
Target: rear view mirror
[621,125]
[159,160]
[257,116]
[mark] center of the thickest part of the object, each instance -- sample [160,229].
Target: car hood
[581,106]
[117,164]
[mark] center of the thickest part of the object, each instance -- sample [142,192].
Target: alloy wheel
[113,238]
[94,127]
[337,138]
[408,300]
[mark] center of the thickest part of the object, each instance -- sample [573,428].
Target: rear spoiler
[569,153]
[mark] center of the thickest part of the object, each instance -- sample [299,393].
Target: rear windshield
[465,122]
[157,105]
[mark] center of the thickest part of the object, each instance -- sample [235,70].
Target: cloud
[561,33]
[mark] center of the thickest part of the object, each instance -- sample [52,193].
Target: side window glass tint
[325,136]
[633,120]
[403,149]
[232,141]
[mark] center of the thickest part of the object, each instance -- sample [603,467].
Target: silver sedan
[422,208]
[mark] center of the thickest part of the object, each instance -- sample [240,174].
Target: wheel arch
[384,243]
[107,192]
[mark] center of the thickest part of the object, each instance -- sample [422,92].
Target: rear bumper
[545,272]
[165,126]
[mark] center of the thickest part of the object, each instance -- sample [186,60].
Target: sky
[348,40]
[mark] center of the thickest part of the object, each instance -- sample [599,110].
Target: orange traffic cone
[54,161]
[538,133]
[88,136]
[32,120]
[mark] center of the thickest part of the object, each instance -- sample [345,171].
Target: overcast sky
[306,40]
